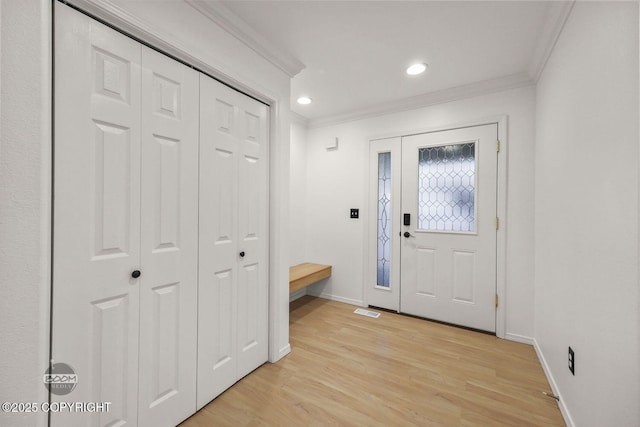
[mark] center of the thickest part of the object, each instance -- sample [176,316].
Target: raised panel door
[96,217]
[449,248]
[169,241]
[252,299]
[218,255]
[233,272]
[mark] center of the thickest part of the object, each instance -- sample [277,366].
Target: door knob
[407,234]
[242,254]
[135,274]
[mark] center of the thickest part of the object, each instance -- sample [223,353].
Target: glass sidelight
[383,255]
[384,218]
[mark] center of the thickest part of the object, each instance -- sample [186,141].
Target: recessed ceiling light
[304,100]
[416,69]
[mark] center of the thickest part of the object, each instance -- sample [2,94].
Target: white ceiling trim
[234,25]
[432,98]
[297,118]
[556,18]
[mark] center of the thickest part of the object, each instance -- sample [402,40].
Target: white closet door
[96,217]
[169,241]
[218,242]
[233,276]
[252,136]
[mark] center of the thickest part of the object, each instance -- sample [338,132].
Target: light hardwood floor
[347,369]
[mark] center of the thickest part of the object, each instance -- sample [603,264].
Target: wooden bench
[304,274]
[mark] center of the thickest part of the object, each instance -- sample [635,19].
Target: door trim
[501,208]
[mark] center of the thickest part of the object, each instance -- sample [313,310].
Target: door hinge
[496,300]
[498,145]
[497,223]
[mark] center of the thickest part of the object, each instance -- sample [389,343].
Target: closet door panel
[96,217]
[252,137]
[233,299]
[169,241]
[218,273]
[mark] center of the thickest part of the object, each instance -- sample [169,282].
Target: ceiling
[355,52]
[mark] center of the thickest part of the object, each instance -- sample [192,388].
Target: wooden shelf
[304,274]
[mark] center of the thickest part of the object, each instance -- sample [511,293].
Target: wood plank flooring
[346,369]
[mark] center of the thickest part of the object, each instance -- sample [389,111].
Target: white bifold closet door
[169,237]
[126,199]
[233,269]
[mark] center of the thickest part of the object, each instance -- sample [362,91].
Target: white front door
[448,249]
[433,228]
[233,273]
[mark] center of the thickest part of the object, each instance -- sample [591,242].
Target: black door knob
[242,254]
[407,234]
[135,274]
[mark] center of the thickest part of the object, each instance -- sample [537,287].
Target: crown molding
[301,120]
[557,16]
[432,98]
[234,25]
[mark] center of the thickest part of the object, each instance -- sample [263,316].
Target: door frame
[501,209]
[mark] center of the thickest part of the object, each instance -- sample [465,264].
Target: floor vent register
[367,313]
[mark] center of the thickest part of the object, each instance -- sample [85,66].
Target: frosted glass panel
[384,218]
[446,188]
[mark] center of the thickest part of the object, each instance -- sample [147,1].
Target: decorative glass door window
[384,218]
[446,188]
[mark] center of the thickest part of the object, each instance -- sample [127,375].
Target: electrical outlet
[572,361]
[355,214]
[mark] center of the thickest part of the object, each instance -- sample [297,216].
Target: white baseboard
[331,297]
[284,351]
[519,338]
[297,294]
[554,386]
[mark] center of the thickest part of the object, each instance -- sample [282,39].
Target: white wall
[25,173]
[337,181]
[298,193]
[586,218]
[24,205]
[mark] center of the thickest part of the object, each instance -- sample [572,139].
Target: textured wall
[25,159]
[298,194]
[586,220]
